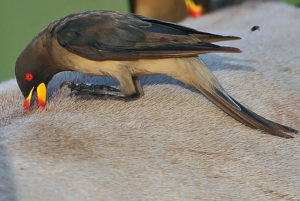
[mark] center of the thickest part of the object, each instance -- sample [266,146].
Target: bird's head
[33,72]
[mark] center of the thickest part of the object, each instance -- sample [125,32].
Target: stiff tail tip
[211,38]
[248,117]
[230,49]
[216,94]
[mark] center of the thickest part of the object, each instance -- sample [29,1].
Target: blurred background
[20,21]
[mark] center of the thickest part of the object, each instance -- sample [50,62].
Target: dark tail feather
[180,50]
[228,49]
[246,116]
[193,72]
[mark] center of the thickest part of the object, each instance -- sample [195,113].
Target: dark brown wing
[105,35]
[202,36]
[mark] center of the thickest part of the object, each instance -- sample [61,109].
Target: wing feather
[107,35]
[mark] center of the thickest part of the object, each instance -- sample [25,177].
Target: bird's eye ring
[29,76]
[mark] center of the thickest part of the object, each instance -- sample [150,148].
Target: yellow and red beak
[41,93]
[194,9]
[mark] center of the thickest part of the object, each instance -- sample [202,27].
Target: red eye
[29,76]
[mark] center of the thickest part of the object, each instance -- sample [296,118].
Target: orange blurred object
[194,9]
[168,10]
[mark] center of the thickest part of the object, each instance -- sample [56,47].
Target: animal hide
[171,144]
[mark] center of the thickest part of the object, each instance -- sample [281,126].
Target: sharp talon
[94,90]
[73,92]
[132,97]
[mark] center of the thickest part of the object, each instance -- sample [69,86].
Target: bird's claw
[91,89]
[70,85]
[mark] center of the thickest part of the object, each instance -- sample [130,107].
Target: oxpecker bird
[125,46]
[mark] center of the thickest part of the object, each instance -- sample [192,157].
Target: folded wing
[105,35]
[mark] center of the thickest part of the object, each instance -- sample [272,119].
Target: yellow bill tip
[41,94]
[28,100]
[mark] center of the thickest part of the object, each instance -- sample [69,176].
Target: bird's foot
[91,89]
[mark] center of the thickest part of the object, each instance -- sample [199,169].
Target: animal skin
[125,47]
[172,143]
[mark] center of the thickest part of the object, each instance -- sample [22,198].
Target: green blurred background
[20,21]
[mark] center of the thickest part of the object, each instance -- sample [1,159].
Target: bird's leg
[138,86]
[91,89]
[130,86]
